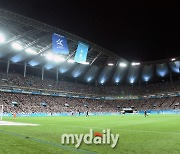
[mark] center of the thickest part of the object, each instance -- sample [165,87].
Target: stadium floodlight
[132,80]
[146,78]
[49,56]
[85,63]
[135,63]
[2,38]
[70,61]
[89,78]
[31,51]
[58,58]
[110,64]
[173,59]
[122,64]
[117,80]
[103,80]
[17,46]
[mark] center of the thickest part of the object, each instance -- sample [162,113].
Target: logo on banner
[59,44]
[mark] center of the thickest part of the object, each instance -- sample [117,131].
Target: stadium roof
[27,41]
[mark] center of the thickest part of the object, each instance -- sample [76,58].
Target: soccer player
[14,115]
[87,114]
[145,113]
[79,112]
[72,113]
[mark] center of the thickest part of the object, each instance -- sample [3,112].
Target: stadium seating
[33,104]
[27,103]
[15,79]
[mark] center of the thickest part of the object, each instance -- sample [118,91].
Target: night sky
[136,32]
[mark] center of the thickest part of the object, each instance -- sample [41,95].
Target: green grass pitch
[154,134]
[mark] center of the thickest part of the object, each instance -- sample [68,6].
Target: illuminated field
[153,134]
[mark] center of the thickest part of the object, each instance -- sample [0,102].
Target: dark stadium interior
[106,79]
[91,77]
[104,73]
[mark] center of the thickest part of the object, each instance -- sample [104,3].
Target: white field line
[8,123]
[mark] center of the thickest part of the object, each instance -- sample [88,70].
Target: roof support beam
[42,77]
[7,69]
[69,56]
[95,58]
[25,69]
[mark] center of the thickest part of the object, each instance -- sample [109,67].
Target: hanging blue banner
[59,44]
[81,53]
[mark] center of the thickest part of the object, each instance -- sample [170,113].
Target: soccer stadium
[55,84]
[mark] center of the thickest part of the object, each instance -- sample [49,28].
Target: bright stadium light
[173,59]
[110,64]
[17,46]
[132,80]
[122,64]
[89,78]
[70,61]
[2,38]
[102,81]
[135,63]
[77,74]
[85,63]
[57,58]
[49,56]
[146,78]
[162,73]
[117,80]
[31,51]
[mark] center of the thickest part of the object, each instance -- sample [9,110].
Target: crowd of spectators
[27,103]
[14,79]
